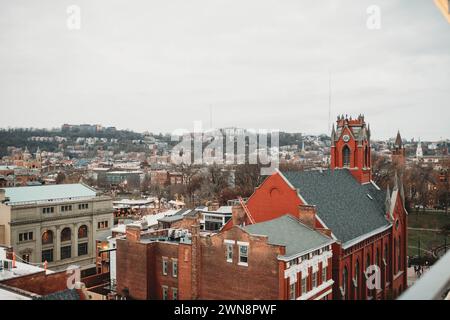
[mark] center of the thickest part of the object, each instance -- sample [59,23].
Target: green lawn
[428,239]
[428,220]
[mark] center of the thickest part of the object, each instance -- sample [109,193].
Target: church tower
[399,152]
[419,151]
[350,147]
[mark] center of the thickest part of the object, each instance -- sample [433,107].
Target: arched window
[357,271]
[66,234]
[399,254]
[377,258]
[366,157]
[367,266]
[82,232]
[395,256]
[346,156]
[344,282]
[47,237]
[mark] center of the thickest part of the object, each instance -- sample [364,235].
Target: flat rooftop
[48,193]
[21,268]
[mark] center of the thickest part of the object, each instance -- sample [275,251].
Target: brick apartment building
[257,261]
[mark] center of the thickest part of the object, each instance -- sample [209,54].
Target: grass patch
[428,241]
[428,220]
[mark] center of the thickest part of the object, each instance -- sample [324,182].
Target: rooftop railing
[433,285]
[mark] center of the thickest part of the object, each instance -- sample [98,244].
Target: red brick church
[368,224]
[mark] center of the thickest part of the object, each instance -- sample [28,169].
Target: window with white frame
[165,266]
[324,274]
[314,279]
[243,254]
[165,292]
[174,268]
[304,287]
[174,294]
[292,291]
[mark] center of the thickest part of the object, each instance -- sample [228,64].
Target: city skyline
[268,65]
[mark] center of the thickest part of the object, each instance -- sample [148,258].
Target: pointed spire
[387,202]
[398,140]
[333,135]
[402,190]
[395,181]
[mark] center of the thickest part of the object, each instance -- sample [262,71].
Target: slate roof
[288,231]
[342,202]
[61,295]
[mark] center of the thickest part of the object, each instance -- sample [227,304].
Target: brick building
[258,261]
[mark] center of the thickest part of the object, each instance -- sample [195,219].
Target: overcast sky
[160,65]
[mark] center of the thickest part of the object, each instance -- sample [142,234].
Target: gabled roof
[350,210]
[289,232]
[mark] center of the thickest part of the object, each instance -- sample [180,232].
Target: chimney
[238,215]
[195,267]
[133,233]
[307,215]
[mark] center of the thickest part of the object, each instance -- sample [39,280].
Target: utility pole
[419,247]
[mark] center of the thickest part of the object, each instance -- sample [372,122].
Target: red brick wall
[170,251]
[184,272]
[40,283]
[132,269]
[222,280]
[273,199]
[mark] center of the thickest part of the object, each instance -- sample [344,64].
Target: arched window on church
[344,283]
[387,260]
[346,156]
[399,248]
[367,266]
[395,256]
[357,271]
[367,157]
